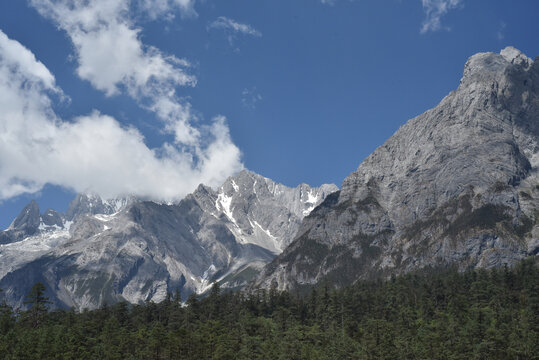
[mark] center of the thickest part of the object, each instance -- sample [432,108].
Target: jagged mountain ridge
[31,222]
[126,249]
[458,184]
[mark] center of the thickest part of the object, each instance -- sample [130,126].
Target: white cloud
[224,23]
[250,98]
[16,57]
[435,10]
[501,31]
[112,57]
[94,152]
[166,8]
[108,48]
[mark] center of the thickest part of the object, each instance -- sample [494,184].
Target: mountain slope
[457,184]
[125,249]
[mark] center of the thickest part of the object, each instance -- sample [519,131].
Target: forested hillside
[434,314]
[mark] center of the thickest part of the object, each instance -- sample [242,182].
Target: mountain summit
[458,184]
[104,251]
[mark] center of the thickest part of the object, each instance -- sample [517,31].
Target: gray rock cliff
[104,251]
[458,184]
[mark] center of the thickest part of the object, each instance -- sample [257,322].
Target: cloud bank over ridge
[95,153]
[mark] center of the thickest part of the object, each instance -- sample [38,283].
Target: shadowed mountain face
[125,249]
[458,184]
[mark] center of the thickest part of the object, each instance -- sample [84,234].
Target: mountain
[457,185]
[25,224]
[104,251]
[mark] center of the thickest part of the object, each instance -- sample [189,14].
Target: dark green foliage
[310,251]
[457,217]
[440,218]
[38,303]
[525,227]
[7,319]
[485,217]
[432,314]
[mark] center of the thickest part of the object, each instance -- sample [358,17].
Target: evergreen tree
[7,320]
[427,315]
[38,303]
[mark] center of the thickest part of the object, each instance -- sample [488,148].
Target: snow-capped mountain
[126,249]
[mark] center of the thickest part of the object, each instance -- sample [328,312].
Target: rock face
[85,204]
[25,224]
[125,249]
[458,184]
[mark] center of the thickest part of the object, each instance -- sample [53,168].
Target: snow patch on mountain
[127,249]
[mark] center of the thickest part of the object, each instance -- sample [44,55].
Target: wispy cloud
[167,8]
[95,152]
[435,10]
[229,25]
[501,31]
[250,98]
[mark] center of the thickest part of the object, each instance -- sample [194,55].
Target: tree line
[430,314]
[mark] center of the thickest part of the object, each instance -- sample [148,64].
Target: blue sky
[192,91]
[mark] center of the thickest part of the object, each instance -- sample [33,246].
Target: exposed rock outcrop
[458,184]
[126,249]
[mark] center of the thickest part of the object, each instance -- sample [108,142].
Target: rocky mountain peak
[52,218]
[490,66]
[516,57]
[28,219]
[84,204]
[260,211]
[457,184]
[25,224]
[132,250]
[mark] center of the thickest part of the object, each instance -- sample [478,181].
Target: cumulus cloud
[17,58]
[95,153]
[111,56]
[435,10]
